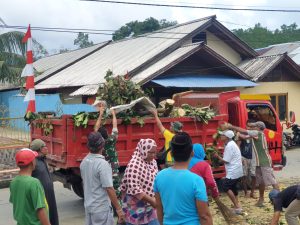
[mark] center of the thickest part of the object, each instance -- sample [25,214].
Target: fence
[14,131]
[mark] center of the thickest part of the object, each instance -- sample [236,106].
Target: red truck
[67,143]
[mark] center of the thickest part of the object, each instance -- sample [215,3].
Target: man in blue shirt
[180,194]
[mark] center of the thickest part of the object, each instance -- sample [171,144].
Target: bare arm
[159,209]
[220,158]
[275,218]
[238,129]
[114,200]
[41,213]
[114,119]
[204,213]
[150,200]
[158,122]
[99,120]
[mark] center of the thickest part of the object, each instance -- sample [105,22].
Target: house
[277,72]
[200,51]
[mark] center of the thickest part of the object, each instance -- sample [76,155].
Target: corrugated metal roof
[203,81]
[162,65]
[50,64]
[121,56]
[86,90]
[259,66]
[292,49]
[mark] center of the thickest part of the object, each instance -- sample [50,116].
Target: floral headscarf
[139,174]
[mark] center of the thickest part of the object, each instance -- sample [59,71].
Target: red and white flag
[28,72]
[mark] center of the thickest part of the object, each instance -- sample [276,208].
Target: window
[262,112]
[280,103]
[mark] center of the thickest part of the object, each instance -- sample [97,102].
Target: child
[26,193]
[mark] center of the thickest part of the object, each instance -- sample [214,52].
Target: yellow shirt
[168,135]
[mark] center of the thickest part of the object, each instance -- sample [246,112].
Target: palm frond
[11,42]
[13,59]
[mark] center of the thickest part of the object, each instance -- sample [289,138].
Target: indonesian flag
[28,72]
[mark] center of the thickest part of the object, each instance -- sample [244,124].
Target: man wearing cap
[264,171]
[99,192]
[175,128]
[289,199]
[234,169]
[41,172]
[26,192]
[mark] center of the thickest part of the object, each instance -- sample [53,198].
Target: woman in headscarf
[137,185]
[200,167]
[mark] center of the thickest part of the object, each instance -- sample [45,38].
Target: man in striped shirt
[264,171]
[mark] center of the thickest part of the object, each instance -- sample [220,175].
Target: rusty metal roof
[258,67]
[124,56]
[292,49]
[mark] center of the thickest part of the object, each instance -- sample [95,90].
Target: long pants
[292,214]
[102,218]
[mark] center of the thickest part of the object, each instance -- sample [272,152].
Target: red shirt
[203,169]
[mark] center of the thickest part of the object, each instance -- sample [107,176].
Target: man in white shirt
[234,169]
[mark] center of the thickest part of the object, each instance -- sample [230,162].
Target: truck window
[262,112]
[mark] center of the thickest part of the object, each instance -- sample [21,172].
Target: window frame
[276,107]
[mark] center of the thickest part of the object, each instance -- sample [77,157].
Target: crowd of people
[169,187]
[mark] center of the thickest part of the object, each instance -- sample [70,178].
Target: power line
[196,7]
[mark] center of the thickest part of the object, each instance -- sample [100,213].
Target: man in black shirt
[42,173]
[248,159]
[289,198]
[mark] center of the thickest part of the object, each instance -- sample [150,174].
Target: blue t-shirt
[179,190]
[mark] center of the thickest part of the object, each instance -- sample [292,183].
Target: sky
[106,16]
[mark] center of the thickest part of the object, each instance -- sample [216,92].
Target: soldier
[110,151]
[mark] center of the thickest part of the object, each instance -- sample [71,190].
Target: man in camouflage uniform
[110,151]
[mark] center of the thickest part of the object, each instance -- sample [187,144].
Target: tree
[135,28]
[13,56]
[82,40]
[259,37]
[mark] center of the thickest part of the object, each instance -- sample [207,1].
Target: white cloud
[93,15]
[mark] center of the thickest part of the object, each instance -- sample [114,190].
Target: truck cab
[238,109]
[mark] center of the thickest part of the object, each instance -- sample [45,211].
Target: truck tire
[78,189]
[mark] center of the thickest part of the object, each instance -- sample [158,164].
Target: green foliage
[12,56]
[119,91]
[135,28]
[259,36]
[82,40]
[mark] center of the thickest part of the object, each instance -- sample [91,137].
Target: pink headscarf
[139,174]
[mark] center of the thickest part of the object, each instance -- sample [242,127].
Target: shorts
[249,167]
[231,184]
[99,218]
[265,175]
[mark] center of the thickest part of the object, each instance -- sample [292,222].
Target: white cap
[227,133]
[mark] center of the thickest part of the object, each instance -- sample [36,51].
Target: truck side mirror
[292,117]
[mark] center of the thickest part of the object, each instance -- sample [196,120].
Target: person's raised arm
[159,209]
[158,122]
[204,213]
[41,214]
[114,119]
[101,108]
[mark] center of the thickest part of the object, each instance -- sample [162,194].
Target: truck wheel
[78,189]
